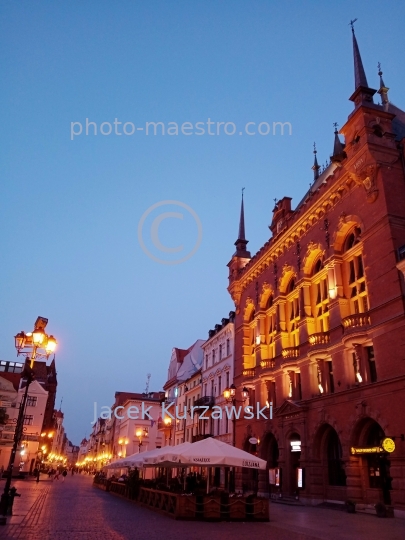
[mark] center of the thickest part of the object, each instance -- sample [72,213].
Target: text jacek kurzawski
[170,410]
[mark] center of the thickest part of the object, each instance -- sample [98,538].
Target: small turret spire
[241,242]
[383,91]
[315,166]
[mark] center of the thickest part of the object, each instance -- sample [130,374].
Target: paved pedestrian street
[74,509]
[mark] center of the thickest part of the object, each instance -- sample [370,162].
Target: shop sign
[366,450]
[388,444]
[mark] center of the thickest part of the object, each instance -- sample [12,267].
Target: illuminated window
[371,364]
[354,275]
[321,311]
[293,313]
[272,332]
[356,284]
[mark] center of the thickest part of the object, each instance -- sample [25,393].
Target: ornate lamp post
[141,433]
[33,345]
[230,396]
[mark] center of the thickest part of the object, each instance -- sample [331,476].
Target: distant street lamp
[141,433]
[33,345]
[230,396]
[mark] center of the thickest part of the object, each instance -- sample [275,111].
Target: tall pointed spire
[241,242]
[383,91]
[362,92]
[241,235]
[315,166]
[360,78]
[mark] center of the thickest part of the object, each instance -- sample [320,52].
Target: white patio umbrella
[134,460]
[167,456]
[213,453]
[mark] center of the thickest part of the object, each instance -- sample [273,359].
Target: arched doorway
[334,454]
[329,468]
[374,467]
[269,451]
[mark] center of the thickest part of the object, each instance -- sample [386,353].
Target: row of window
[216,386]
[213,426]
[364,370]
[224,350]
[320,292]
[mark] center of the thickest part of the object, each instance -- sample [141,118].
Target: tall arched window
[293,313]
[355,280]
[272,332]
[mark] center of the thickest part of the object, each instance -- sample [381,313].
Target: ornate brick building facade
[320,318]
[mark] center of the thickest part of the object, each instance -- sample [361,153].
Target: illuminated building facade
[320,319]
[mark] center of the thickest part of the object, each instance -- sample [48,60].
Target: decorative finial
[315,166]
[243,189]
[335,125]
[275,201]
[383,91]
[351,23]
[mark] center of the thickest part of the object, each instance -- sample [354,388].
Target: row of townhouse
[43,442]
[194,391]
[137,422]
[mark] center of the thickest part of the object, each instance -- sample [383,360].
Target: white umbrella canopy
[213,453]
[166,456]
[134,460]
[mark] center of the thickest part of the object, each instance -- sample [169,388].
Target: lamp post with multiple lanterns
[230,396]
[141,433]
[33,345]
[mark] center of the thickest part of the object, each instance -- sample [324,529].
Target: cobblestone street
[74,509]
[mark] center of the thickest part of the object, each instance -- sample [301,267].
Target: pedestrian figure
[56,477]
[64,474]
[38,473]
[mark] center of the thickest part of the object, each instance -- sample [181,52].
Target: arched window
[290,286]
[272,332]
[317,267]
[352,239]
[355,280]
[293,313]
[377,130]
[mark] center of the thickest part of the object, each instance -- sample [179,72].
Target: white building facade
[217,375]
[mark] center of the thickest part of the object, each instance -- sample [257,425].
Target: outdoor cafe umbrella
[213,453]
[165,456]
[134,460]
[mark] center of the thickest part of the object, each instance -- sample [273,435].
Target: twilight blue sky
[70,209]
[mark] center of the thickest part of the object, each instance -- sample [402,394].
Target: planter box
[212,508]
[237,509]
[260,510]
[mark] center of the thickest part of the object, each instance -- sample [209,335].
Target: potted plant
[350,506]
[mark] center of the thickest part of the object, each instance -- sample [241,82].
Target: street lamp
[141,433]
[230,396]
[33,345]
